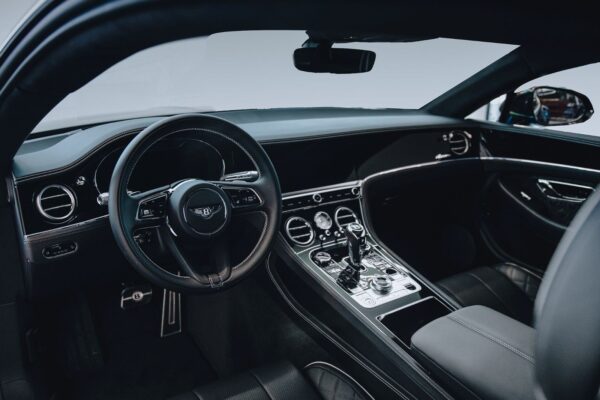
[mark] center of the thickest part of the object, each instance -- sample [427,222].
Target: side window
[581,79]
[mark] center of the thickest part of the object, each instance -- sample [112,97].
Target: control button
[143,236]
[410,286]
[59,249]
[322,259]
[242,197]
[381,284]
[355,191]
[317,198]
[81,181]
[152,208]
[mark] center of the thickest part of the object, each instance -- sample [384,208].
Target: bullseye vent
[299,231]
[459,142]
[344,216]
[56,203]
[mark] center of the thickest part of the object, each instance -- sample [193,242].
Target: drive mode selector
[322,258]
[381,284]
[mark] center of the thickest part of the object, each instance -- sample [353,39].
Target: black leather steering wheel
[193,210]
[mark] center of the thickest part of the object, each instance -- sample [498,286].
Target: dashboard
[61,182]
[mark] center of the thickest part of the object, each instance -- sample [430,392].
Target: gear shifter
[355,234]
[350,276]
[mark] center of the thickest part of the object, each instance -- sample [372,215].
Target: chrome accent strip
[322,189]
[416,166]
[66,228]
[543,163]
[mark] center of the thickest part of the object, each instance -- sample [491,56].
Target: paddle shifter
[350,276]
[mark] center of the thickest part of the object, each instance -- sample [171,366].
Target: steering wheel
[193,212]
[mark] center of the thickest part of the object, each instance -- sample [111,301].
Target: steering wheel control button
[242,197]
[152,208]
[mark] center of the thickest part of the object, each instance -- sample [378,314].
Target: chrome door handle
[571,192]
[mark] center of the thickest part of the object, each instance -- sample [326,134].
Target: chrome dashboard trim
[321,189]
[544,163]
[344,185]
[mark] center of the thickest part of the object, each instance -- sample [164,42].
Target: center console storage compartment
[403,323]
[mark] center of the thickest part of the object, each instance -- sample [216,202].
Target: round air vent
[344,216]
[459,142]
[299,231]
[56,203]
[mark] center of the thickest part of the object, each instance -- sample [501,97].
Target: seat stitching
[447,373]
[493,338]
[264,388]
[355,386]
[492,291]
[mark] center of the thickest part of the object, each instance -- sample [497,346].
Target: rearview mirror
[333,60]
[546,106]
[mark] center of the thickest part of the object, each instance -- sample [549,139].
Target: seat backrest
[567,312]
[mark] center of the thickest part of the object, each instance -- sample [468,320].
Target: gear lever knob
[355,233]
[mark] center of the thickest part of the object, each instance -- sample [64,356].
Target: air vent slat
[343,214]
[56,203]
[299,231]
[459,142]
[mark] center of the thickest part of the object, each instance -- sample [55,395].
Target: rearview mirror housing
[333,60]
[546,106]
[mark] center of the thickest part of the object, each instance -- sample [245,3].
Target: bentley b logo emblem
[206,212]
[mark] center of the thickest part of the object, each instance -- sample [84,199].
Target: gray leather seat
[479,353]
[485,354]
[506,288]
[318,381]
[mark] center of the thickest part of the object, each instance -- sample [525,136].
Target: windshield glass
[250,70]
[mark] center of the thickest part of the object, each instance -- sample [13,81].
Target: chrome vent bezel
[69,205]
[459,142]
[306,225]
[351,213]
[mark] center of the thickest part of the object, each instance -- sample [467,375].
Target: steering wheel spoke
[147,209]
[213,279]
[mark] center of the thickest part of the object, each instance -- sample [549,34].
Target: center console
[328,236]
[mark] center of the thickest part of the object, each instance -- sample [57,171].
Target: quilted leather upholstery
[506,288]
[283,381]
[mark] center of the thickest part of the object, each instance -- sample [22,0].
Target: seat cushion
[506,288]
[479,354]
[283,381]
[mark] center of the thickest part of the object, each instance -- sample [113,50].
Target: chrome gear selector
[355,233]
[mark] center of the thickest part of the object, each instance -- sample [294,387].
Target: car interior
[300,252]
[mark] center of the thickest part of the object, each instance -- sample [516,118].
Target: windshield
[253,70]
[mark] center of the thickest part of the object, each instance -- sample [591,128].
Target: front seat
[482,354]
[318,381]
[507,288]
